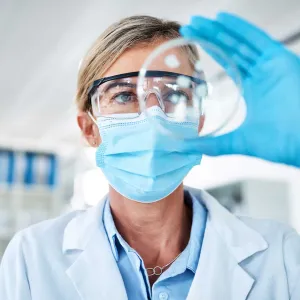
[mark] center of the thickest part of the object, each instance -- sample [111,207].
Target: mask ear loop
[94,120]
[92,117]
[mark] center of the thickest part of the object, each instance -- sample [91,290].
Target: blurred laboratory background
[45,167]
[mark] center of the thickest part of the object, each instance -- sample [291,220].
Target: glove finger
[247,32]
[230,143]
[234,42]
[243,66]
[189,32]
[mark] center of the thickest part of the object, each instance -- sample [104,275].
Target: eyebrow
[119,83]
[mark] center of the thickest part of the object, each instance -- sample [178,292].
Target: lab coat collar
[80,229]
[227,242]
[241,240]
[94,271]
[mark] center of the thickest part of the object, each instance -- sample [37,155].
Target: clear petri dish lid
[184,90]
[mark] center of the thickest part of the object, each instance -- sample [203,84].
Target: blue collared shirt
[176,281]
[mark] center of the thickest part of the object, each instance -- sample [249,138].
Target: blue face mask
[139,160]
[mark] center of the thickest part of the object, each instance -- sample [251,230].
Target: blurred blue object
[31,172]
[11,167]
[53,168]
[7,166]
[271,88]
[41,169]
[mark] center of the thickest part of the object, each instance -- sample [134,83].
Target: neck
[158,231]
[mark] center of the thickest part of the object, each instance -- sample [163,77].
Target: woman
[150,239]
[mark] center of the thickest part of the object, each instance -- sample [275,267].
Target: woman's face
[131,61]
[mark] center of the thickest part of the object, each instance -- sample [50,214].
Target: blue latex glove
[271,87]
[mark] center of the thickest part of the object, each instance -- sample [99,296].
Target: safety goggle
[124,94]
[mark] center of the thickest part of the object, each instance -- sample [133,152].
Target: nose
[153,100]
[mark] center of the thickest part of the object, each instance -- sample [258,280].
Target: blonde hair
[113,42]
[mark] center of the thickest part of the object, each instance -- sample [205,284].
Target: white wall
[217,171]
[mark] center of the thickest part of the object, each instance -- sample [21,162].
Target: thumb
[230,143]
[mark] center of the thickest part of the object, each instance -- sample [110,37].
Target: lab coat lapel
[218,275]
[94,272]
[227,242]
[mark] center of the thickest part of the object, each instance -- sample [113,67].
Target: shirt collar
[197,231]
[196,236]
[110,228]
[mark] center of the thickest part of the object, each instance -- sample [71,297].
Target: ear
[89,129]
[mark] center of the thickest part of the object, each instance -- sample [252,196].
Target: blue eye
[125,97]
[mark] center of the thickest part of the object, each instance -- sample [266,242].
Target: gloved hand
[271,89]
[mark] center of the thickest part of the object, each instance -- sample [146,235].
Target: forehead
[133,59]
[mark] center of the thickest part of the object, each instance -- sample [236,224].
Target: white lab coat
[69,258]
